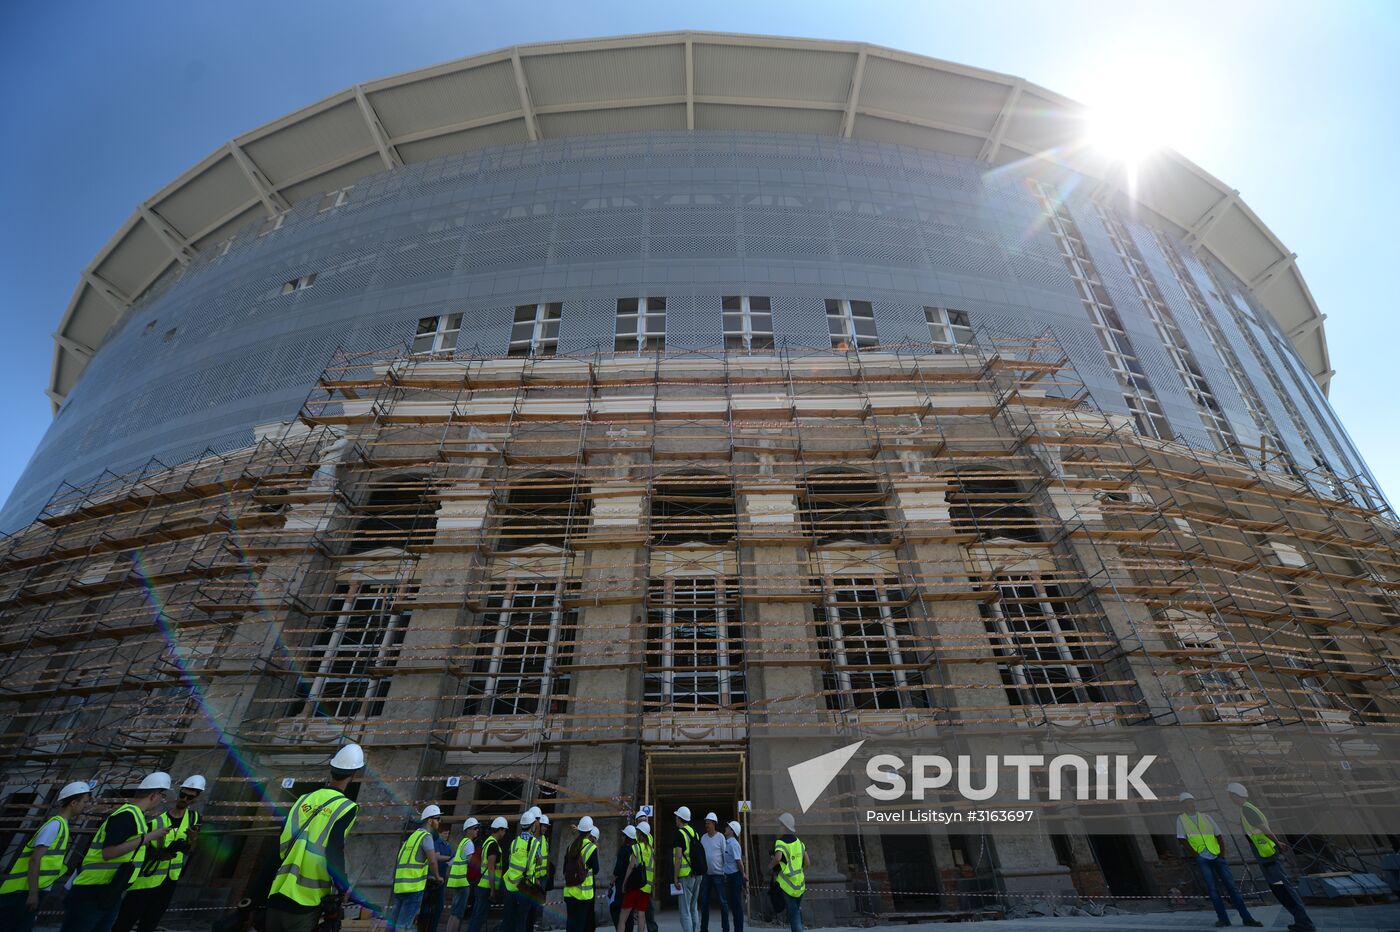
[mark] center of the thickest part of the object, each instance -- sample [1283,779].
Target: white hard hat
[684,813]
[156,781]
[73,789]
[195,782]
[630,831]
[594,834]
[585,825]
[350,757]
[542,819]
[1183,797]
[738,829]
[1238,789]
[644,828]
[711,817]
[787,821]
[535,811]
[527,819]
[470,823]
[500,822]
[429,812]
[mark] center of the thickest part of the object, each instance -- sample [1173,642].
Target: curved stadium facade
[556,420]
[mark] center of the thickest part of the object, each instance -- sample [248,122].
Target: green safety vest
[304,877]
[583,891]
[51,866]
[1254,827]
[539,870]
[97,872]
[153,872]
[457,870]
[1199,834]
[522,861]
[687,835]
[647,858]
[792,876]
[411,871]
[492,843]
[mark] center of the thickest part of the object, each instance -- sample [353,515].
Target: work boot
[1254,923]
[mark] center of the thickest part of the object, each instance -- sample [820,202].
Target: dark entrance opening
[912,873]
[1121,863]
[711,781]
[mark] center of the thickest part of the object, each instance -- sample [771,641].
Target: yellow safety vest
[647,856]
[539,870]
[411,871]
[792,876]
[1262,842]
[1199,834]
[304,876]
[153,872]
[457,870]
[492,843]
[687,835]
[583,891]
[51,866]
[522,861]
[97,872]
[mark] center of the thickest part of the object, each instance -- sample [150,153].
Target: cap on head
[470,823]
[787,821]
[1238,789]
[644,828]
[430,811]
[499,822]
[711,817]
[156,781]
[630,831]
[585,825]
[73,789]
[350,757]
[527,819]
[736,827]
[1184,796]
[195,782]
[683,813]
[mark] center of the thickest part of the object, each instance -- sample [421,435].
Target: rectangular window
[1033,623]
[299,284]
[519,655]
[641,325]
[695,645]
[869,647]
[949,330]
[362,631]
[535,330]
[852,324]
[748,323]
[437,334]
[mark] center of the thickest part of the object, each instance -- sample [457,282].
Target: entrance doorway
[1121,863]
[706,781]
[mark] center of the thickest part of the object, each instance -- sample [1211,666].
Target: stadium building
[557,420]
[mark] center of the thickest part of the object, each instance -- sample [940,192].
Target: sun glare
[1141,106]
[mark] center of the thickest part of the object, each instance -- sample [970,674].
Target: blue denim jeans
[516,911]
[82,913]
[1215,872]
[1283,892]
[734,894]
[794,912]
[689,903]
[14,911]
[481,908]
[712,888]
[404,910]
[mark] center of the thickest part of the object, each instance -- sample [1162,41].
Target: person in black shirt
[96,898]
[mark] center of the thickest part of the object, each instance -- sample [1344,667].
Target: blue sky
[1290,102]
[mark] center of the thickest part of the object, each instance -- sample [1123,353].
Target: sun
[1138,107]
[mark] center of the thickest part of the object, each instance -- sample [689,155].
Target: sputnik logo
[811,777]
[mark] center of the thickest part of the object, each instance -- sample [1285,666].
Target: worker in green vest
[520,868]
[459,883]
[41,861]
[117,852]
[311,880]
[1200,840]
[541,875]
[638,878]
[580,869]
[1266,846]
[154,885]
[491,882]
[789,865]
[417,865]
[688,900]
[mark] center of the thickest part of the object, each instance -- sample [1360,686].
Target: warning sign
[745,806]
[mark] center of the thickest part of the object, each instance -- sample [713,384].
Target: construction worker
[435,899]
[789,866]
[1266,847]
[580,873]
[541,875]
[459,884]
[41,861]
[517,879]
[651,903]
[117,852]
[685,871]
[734,879]
[151,889]
[639,877]
[1200,840]
[417,864]
[311,879]
[712,882]
[492,880]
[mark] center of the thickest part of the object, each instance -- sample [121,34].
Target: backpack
[695,852]
[575,871]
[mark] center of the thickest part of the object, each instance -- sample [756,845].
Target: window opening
[748,323]
[363,632]
[868,645]
[641,325]
[437,334]
[535,330]
[694,645]
[852,324]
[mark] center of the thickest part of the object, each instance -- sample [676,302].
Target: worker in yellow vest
[789,865]
[42,861]
[520,889]
[638,879]
[459,881]
[1266,846]
[415,867]
[151,889]
[541,875]
[311,880]
[115,856]
[1200,840]
[580,871]
[491,883]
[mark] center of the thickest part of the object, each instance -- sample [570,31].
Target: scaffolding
[447,555]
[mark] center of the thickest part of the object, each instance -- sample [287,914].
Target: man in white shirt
[1200,840]
[712,883]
